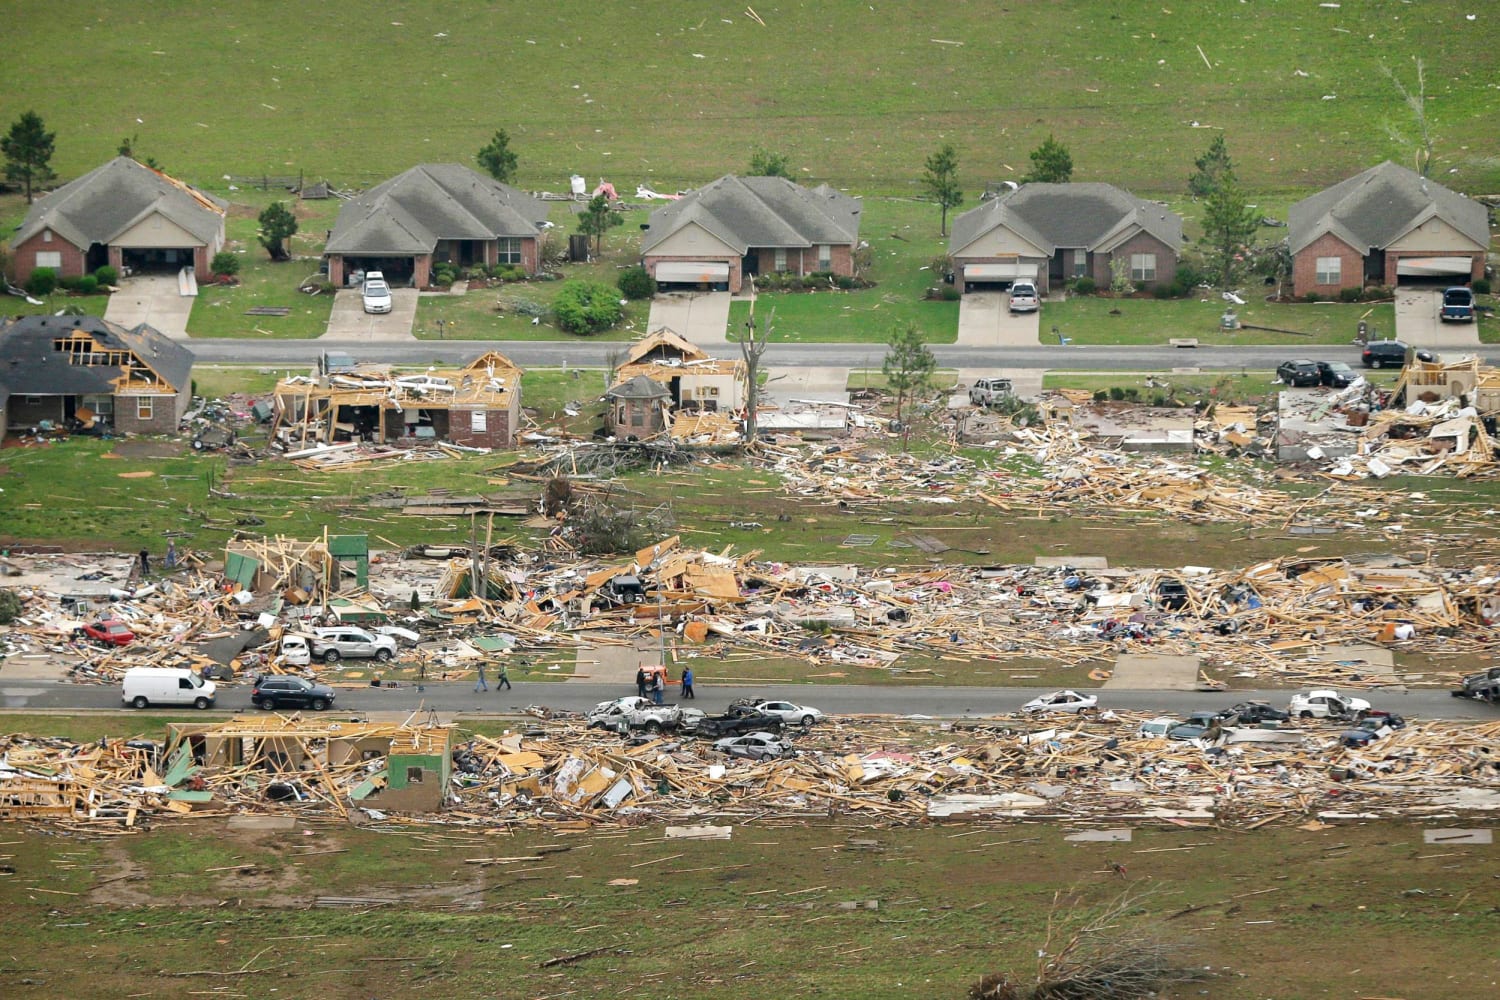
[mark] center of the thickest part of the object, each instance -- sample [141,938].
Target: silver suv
[334,644]
[989,391]
[1023,297]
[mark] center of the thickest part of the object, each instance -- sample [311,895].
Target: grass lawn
[903,238]
[780,908]
[1093,320]
[684,95]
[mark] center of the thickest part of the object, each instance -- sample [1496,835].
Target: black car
[1299,373]
[272,692]
[1255,712]
[1390,354]
[1336,374]
[737,721]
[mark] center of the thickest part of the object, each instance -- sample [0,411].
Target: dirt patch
[147,449]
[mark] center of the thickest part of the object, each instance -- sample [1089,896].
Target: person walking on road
[687,683]
[659,688]
[502,679]
[480,685]
[640,682]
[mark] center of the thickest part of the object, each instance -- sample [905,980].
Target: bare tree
[753,343]
[1417,104]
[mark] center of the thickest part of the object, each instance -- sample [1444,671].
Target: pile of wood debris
[558,774]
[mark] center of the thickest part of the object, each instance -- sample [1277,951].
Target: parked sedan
[1157,727]
[109,631]
[376,294]
[1062,701]
[272,692]
[1336,374]
[791,714]
[753,746]
[1299,373]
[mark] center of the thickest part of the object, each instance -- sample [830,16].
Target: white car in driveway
[1062,701]
[375,293]
[1023,297]
[791,714]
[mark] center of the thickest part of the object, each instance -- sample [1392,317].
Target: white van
[147,686]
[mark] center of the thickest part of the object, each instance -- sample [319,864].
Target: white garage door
[1432,267]
[999,272]
[692,272]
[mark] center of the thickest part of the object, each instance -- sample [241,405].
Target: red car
[109,631]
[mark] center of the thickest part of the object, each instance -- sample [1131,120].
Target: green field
[675,94]
[816,908]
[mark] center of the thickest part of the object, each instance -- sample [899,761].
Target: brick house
[124,214]
[1053,233]
[478,406]
[1385,226]
[431,214]
[85,369]
[738,227]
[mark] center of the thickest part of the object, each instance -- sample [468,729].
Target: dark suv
[1390,354]
[1299,373]
[290,692]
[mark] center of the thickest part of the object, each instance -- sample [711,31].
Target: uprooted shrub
[602,528]
[10,606]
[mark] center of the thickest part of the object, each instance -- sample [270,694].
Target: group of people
[502,679]
[654,685]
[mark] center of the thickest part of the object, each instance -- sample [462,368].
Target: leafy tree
[1119,276]
[225,262]
[28,149]
[908,369]
[587,307]
[127,146]
[1228,227]
[1051,163]
[769,163]
[277,226]
[1212,166]
[597,218]
[940,181]
[497,158]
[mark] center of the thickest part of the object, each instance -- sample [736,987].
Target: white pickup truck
[634,712]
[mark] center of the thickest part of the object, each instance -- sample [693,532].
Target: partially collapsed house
[83,371]
[477,406]
[126,215]
[667,382]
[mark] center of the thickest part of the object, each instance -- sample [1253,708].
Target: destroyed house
[735,227]
[435,213]
[694,381]
[476,406]
[124,214]
[82,372]
[1384,226]
[638,407]
[1053,233]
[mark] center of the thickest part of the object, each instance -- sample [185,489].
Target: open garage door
[988,277]
[713,273]
[1433,267]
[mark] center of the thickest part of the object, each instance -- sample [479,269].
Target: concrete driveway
[1417,321]
[700,318]
[153,299]
[349,321]
[1027,382]
[786,384]
[985,320]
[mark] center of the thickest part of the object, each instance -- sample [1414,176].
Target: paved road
[553,353]
[938,702]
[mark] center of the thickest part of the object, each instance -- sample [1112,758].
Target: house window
[49,258]
[46,236]
[1143,267]
[414,775]
[103,406]
[145,406]
[781,260]
[621,418]
[479,421]
[509,249]
[825,257]
[1329,270]
[1080,263]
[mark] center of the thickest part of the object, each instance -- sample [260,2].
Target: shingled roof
[1090,216]
[1373,209]
[745,212]
[108,200]
[409,213]
[30,363]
